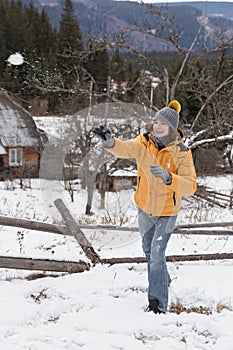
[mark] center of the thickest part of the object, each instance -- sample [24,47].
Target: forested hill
[214,8]
[107,17]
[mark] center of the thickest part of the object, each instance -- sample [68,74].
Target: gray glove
[161,173]
[105,135]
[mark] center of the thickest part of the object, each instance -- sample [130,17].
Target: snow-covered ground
[103,309]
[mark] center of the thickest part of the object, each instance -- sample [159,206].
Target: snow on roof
[17,127]
[123,172]
[2,150]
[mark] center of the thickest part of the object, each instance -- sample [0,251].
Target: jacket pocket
[138,183]
[174,198]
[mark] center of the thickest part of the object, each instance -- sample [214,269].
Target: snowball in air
[15,59]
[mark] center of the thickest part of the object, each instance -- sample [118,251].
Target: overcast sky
[158,1]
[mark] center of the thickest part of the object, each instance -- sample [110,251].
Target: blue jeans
[155,232]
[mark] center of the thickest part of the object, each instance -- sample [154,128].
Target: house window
[15,157]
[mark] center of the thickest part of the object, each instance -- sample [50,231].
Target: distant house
[118,86]
[122,179]
[20,142]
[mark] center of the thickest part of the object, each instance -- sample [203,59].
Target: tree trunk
[90,193]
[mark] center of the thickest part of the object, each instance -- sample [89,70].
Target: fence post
[76,231]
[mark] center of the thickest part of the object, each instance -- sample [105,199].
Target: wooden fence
[72,228]
[215,198]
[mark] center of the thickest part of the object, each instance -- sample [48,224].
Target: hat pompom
[174,104]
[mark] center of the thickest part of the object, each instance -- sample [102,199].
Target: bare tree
[210,87]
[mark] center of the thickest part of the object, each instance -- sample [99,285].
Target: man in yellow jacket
[166,173]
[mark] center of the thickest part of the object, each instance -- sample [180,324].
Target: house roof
[17,128]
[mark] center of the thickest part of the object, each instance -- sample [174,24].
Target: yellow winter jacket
[152,195]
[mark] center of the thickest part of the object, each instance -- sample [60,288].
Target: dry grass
[177,307]
[33,276]
[223,306]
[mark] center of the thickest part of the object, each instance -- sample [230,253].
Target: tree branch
[215,139]
[227,81]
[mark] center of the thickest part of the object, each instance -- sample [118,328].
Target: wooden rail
[72,228]
[80,266]
[171,258]
[76,232]
[43,264]
[62,229]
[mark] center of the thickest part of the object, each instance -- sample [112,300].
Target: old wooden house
[122,179]
[20,142]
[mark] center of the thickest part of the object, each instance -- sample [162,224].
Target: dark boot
[153,306]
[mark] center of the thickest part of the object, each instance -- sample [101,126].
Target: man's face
[160,128]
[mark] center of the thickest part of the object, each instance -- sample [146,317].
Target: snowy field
[103,309]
